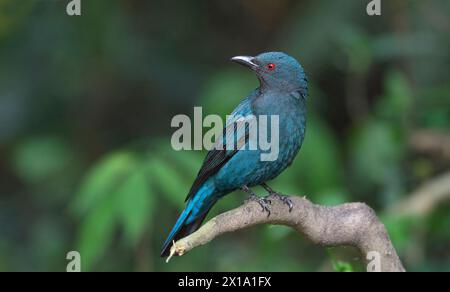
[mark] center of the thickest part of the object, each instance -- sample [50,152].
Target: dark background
[86,104]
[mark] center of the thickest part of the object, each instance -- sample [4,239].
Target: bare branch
[353,224]
[432,142]
[425,199]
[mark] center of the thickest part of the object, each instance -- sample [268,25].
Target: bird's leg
[284,199]
[268,189]
[263,202]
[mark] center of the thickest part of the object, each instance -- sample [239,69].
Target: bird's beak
[246,61]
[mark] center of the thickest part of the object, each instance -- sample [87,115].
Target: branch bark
[353,224]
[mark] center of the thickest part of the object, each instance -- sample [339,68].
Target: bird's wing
[236,133]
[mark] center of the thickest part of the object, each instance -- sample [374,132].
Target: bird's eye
[271,66]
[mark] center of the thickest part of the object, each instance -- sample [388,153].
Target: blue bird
[283,91]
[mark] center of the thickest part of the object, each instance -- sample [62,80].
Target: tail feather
[176,232]
[191,218]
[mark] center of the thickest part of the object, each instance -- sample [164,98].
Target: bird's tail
[192,216]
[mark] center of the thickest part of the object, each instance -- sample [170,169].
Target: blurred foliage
[86,104]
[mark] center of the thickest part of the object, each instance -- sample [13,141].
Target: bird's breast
[291,113]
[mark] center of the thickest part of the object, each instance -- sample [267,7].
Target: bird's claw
[285,199]
[263,202]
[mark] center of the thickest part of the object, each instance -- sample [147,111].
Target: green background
[86,104]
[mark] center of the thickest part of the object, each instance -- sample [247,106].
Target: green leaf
[169,181]
[96,234]
[190,161]
[135,204]
[115,191]
[103,179]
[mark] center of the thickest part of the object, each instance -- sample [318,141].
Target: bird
[282,91]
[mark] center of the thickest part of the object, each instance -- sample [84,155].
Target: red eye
[271,66]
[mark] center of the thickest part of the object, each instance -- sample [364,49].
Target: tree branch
[353,224]
[425,199]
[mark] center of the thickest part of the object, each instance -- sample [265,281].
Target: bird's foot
[285,199]
[263,202]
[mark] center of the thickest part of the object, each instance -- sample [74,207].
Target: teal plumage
[283,91]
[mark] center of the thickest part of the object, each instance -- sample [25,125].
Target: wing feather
[220,155]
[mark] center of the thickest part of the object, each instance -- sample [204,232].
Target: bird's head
[277,71]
